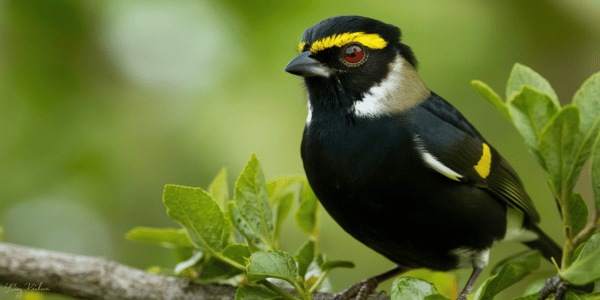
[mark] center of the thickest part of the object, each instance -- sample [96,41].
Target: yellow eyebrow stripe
[485,162]
[301,46]
[371,40]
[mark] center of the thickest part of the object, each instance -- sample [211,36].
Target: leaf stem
[300,289]
[588,230]
[318,282]
[285,294]
[226,260]
[568,246]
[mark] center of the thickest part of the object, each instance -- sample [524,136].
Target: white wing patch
[434,163]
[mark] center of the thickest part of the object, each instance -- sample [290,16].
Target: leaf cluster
[562,139]
[237,240]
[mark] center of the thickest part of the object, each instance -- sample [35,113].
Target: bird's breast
[342,162]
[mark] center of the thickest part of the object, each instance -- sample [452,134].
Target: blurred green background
[102,103]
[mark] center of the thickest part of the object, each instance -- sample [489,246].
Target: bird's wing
[450,145]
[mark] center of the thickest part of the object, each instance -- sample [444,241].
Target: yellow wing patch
[485,162]
[371,40]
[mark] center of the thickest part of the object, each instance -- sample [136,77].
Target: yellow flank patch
[485,162]
[301,46]
[371,40]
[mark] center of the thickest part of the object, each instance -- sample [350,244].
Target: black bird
[398,167]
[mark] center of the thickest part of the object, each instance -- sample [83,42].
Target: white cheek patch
[432,162]
[401,90]
[378,99]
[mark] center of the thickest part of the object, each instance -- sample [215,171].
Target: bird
[397,166]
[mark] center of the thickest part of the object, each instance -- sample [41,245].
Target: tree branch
[25,268]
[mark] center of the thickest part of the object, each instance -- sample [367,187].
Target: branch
[25,268]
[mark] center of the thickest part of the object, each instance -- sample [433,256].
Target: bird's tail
[548,247]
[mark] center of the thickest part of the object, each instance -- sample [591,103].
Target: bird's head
[359,64]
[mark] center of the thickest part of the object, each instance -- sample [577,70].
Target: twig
[588,230]
[25,268]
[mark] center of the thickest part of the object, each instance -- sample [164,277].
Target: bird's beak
[306,66]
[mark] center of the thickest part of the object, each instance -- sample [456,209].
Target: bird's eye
[353,54]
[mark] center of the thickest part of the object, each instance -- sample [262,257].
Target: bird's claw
[559,287]
[555,285]
[358,291]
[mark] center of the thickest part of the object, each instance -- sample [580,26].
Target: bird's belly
[384,197]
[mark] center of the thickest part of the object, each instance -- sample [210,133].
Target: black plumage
[398,167]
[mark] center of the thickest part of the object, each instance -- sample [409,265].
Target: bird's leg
[470,283]
[361,290]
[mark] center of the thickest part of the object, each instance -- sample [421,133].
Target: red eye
[353,53]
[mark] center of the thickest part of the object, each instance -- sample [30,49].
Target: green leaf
[282,193]
[490,95]
[255,292]
[414,288]
[508,274]
[585,267]
[306,215]
[444,282]
[283,207]
[216,269]
[305,256]
[251,210]
[579,213]
[1,234]
[198,213]
[219,189]
[524,76]
[573,296]
[167,237]
[587,99]
[243,225]
[596,172]
[534,296]
[237,252]
[531,112]
[557,147]
[282,185]
[183,253]
[334,264]
[271,264]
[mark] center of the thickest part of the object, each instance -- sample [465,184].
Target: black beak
[306,66]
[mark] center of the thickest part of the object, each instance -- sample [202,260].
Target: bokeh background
[102,103]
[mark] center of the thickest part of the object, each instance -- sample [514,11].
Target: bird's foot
[358,291]
[362,290]
[559,287]
[555,285]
